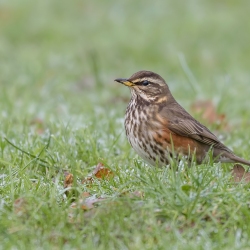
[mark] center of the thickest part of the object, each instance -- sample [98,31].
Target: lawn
[62,114]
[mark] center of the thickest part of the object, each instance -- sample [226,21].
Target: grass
[63,113]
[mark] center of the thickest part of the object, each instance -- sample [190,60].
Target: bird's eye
[145,83]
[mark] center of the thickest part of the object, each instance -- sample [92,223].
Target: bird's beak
[125,82]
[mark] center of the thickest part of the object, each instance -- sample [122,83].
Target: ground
[62,114]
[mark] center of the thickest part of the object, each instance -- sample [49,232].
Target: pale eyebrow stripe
[137,80]
[153,80]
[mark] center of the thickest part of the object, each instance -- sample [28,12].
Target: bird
[160,129]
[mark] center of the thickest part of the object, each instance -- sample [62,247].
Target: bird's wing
[182,123]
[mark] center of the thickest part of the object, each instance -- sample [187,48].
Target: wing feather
[182,123]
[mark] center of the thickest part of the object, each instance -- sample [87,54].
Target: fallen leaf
[88,180]
[38,124]
[99,172]
[240,174]
[87,203]
[20,206]
[102,172]
[208,112]
[69,178]
[85,194]
[138,194]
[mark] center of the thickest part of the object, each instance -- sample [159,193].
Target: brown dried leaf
[208,112]
[240,174]
[87,203]
[88,180]
[20,206]
[69,178]
[101,172]
[85,194]
[138,194]
[38,124]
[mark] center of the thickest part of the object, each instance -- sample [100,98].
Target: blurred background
[59,58]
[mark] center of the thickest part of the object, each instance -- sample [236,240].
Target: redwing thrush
[158,128]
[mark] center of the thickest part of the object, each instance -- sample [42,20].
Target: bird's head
[148,85]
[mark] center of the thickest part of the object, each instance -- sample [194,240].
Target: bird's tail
[237,159]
